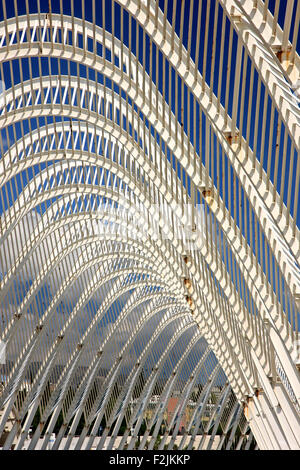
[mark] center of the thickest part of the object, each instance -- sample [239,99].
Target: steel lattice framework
[113,318]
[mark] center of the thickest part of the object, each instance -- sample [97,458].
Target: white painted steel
[109,110]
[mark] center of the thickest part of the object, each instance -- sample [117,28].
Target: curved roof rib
[149,230]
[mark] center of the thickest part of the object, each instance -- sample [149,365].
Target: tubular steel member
[149,220]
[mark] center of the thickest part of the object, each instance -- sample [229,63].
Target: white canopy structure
[149,231]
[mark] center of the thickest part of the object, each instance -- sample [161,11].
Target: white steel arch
[149,190]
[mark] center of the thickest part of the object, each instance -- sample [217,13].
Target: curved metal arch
[280,250]
[86,294]
[94,366]
[170,384]
[212,376]
[122,272]
[160,328]
[198,414]
[93,411]
[47,371]
[49,175]
[86,241]
[58,437]
[84,298]
[252,284]
[284,263]
[239,252]
[33,288]
[190,346]
[87,379]
[138,327]
[134,376]
[49,225]
[294,382]
[142,402]
[198,87]
[250,275]
[109,195]
[275,40]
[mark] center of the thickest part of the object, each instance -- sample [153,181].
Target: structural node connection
[149,224]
